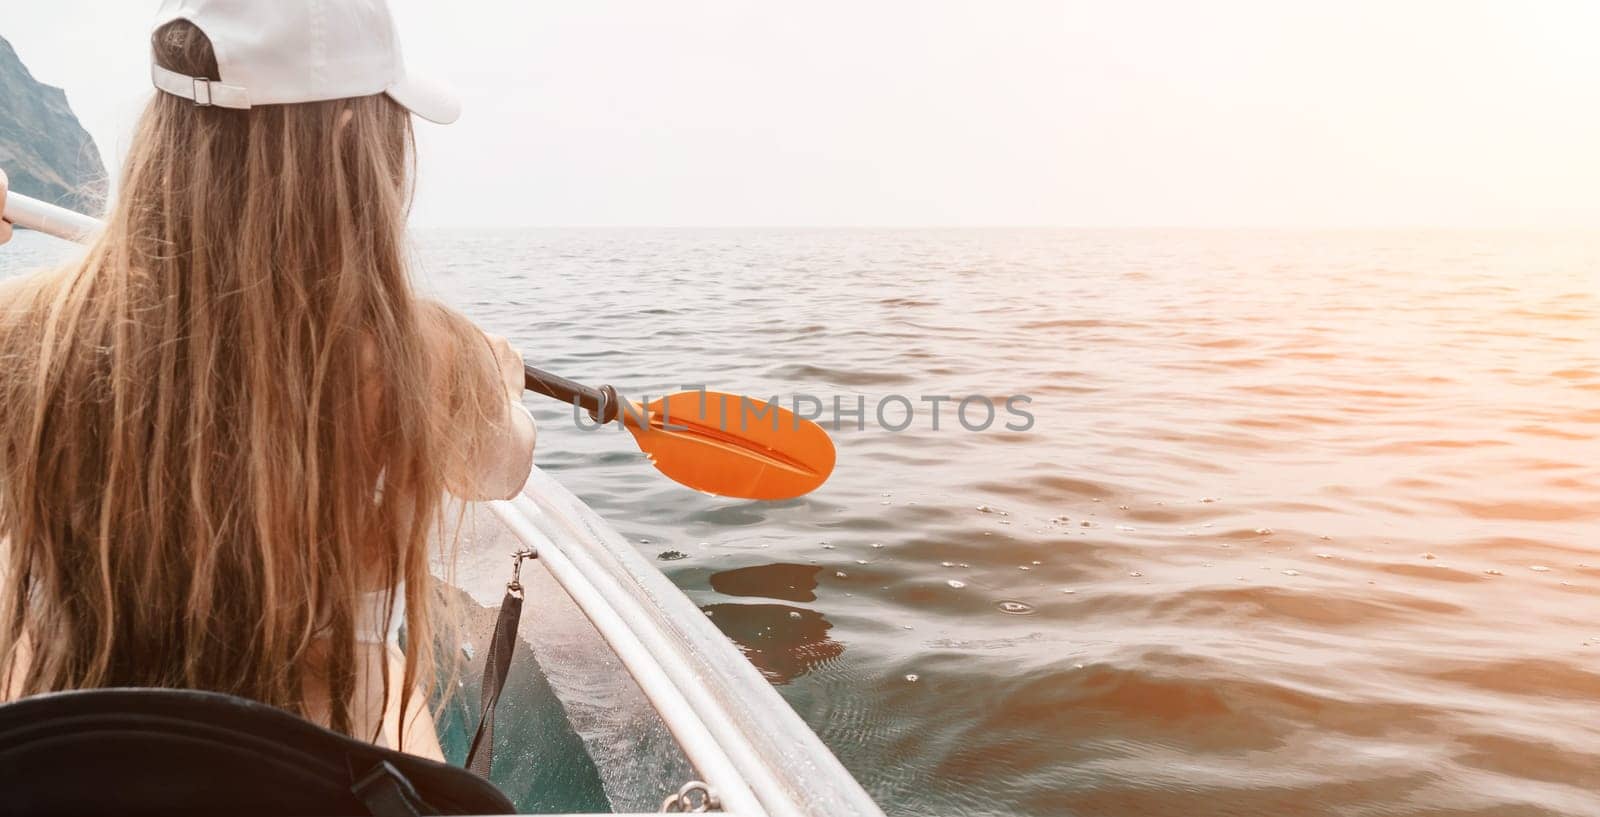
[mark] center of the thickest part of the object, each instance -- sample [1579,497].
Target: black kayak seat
[180,752]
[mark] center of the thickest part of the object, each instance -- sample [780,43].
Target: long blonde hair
[221,427]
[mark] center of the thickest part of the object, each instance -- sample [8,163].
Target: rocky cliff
[43,149]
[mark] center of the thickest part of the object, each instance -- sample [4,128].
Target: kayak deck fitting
[657,696]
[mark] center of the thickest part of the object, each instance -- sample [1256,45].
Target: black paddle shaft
[602,403]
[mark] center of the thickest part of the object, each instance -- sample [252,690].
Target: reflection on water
[782,641]
[774,581]
[1308,524]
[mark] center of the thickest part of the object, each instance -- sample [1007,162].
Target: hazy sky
[916,112]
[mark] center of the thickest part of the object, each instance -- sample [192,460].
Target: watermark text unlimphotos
[891,412]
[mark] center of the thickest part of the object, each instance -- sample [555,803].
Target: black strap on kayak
[181,752]
[387,793]
[496,665]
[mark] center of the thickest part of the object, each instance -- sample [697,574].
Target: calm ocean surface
[1306,523]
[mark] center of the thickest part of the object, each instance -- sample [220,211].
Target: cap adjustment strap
[203,92]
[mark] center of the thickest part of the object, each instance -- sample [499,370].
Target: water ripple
[1306,524]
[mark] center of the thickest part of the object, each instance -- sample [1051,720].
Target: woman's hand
[5,226]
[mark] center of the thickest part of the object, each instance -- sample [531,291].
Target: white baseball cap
[279,52]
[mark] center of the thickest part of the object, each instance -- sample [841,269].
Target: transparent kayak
[621,692]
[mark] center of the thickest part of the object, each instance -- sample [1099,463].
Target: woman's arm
[505,456]
[480,377]
[420,735]
[22,651]
[5,226]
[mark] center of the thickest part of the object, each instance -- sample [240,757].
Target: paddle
[722,444]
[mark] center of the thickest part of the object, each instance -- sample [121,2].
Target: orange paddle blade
[731,445]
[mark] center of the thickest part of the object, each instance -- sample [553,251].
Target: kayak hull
[656,694]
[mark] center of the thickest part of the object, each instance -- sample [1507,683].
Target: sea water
[1303,523]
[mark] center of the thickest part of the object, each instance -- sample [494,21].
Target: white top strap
[371,616]
[199,90]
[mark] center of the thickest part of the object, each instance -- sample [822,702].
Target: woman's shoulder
[459,351]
